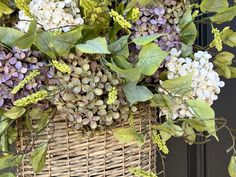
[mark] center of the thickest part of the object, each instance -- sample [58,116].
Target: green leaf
[122,62]
[126,73]
[113,31]
[162,101]
[23,5]
[197,124]
[4,143]
[35,113]
[142,3]
[165,136]
[127,135]
[136,93]
[214,5]
[186,50]
[224,16]
[65,41]
[119,44]
[233,72]
[201,109]
[123,135]
[225,58]
[223,70]
[44,120]
[9,35]
[164,127]
[176,130]
[2,111]
[150,58]
[204,112]
[120,52]
[223,61]
[138,137]
[5,9]
[189,133]
[28,38]
[8,161]
[28,123]
[7,175]
[232,167]
[180,85]
[170,128]
[94,46]
[44,43]
[39,157]
[228,37]
[189,34]
[186,19]
[144,40]
[15,112]
[12,135]
[4,124]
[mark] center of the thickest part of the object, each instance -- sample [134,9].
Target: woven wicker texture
[100,156]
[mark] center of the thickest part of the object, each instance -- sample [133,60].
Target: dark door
[216,157]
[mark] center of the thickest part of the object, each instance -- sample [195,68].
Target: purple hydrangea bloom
[163,18]
[14,67]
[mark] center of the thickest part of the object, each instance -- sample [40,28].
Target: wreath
[94,61]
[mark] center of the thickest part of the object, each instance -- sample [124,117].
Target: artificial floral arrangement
[94,61]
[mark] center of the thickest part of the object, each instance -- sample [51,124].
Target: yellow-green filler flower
[91,9]
[120,20]
[112,96]
[31,99]
[217,42]
[160,143]
[135,14]
[141,173]
[64,68]
[25,81]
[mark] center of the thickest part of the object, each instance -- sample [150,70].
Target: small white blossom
[67,1]
[51,14]
[206,83]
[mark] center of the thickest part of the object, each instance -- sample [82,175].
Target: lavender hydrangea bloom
[15,66]
[163,18]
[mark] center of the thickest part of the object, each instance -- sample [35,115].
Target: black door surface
[210,160]
[216,157]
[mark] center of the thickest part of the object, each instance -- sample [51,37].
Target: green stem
[203,13]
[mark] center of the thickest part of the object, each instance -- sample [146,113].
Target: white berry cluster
[51,14]
[206,82]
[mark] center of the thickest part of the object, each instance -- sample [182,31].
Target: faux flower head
[206,82]
[59,15]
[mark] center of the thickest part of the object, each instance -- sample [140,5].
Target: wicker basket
[100,156]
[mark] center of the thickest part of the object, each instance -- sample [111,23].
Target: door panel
[176,160]
[225,106]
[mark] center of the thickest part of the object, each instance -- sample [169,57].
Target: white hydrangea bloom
[52,14]
[23,25]
[206,82]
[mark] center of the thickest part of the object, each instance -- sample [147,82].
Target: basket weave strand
[99,156]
